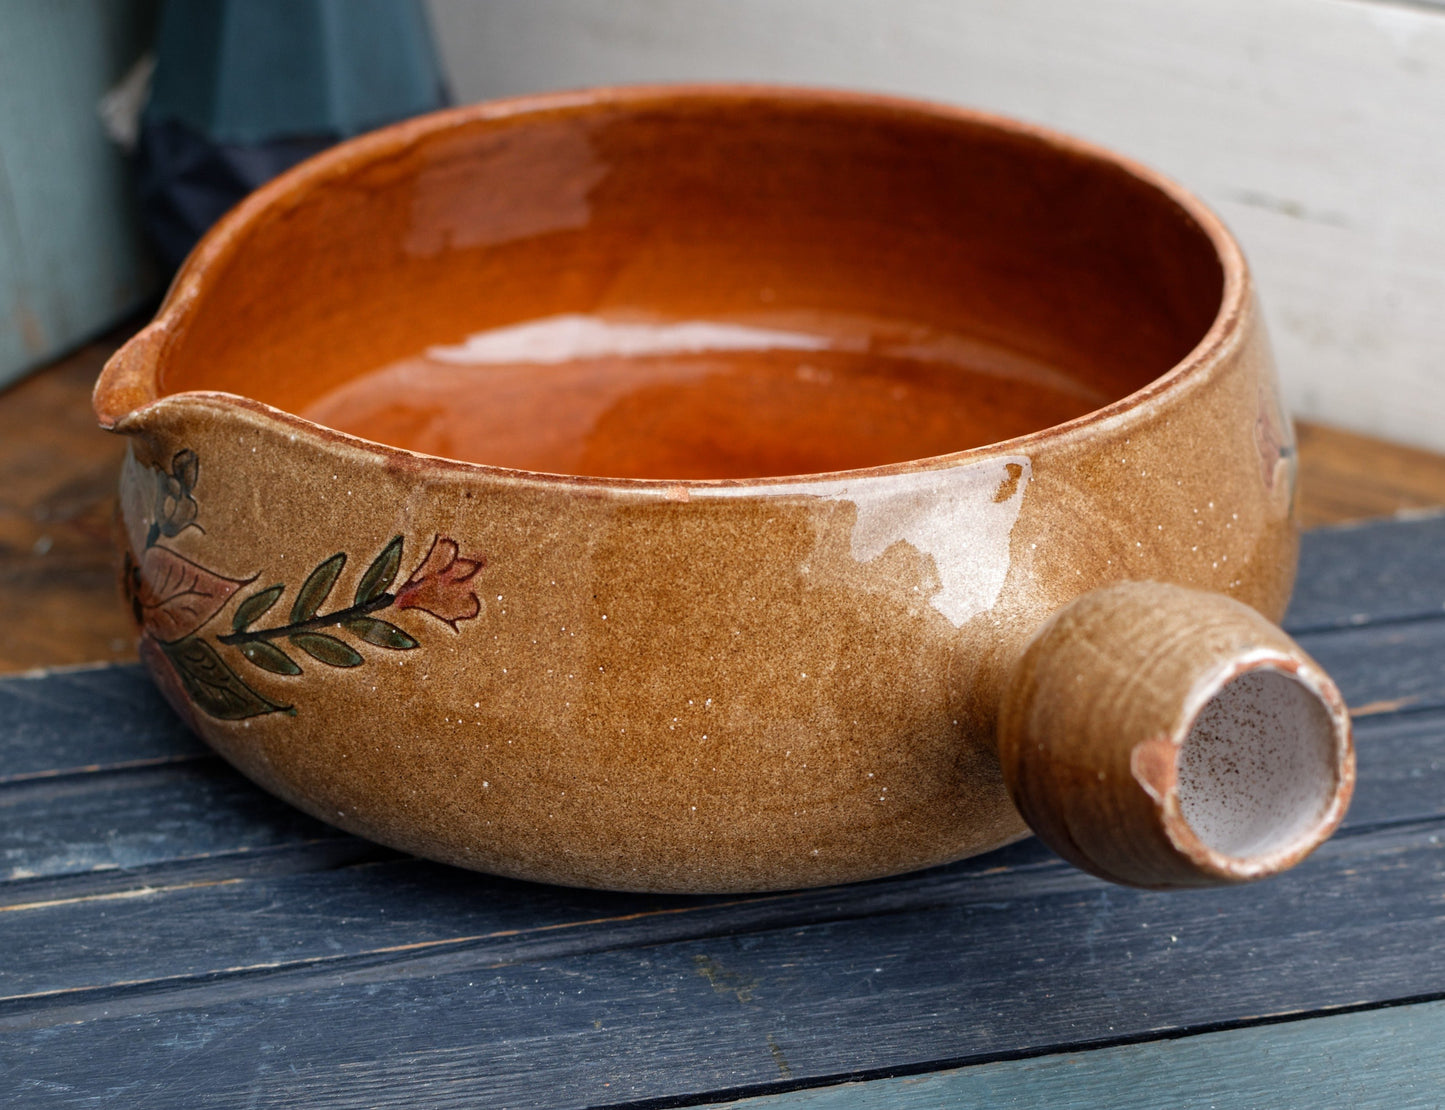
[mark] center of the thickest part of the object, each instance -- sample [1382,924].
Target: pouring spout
[130,379]
[1165,737]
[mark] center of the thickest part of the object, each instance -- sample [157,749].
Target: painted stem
[331,620]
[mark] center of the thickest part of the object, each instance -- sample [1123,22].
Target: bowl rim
[128,387]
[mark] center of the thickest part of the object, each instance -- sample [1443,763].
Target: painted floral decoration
[173,598]
[439,585]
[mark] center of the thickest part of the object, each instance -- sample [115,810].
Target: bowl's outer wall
[680,688]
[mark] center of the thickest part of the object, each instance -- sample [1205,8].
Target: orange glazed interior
[716,287]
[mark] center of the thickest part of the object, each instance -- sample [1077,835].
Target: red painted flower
[439,585]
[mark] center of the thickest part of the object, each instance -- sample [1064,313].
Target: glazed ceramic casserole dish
[706,489]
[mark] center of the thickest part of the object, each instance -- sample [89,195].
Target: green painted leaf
[327,649]
[316,587]
[269,657]
[380,633]
[254,608]
[212,685]
[381,574]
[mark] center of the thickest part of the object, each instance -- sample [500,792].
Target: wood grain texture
[1354,575]
[1310,125]
[337,901]
[244,964]
[59,574]
[317,914]
[1344,477]
[1022,970]
[69,824]
[88,720]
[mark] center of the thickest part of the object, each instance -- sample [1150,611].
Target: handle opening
[1258,769]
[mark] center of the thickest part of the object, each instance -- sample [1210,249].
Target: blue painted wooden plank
[75,824]
[1384,667]
[265,983]
[1376,1058]
[61,937]
[87,718]
[749,1012]
[1401,768]
[1367,573]
[169,800]
[192,926]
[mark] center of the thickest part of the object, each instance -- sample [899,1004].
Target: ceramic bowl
[710,489]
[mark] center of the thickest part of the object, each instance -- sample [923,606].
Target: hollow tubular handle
[1166,737]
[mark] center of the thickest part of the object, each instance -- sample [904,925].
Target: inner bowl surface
[719,286]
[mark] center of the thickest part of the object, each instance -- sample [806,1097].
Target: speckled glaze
[703,684]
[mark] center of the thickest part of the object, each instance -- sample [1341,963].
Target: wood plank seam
[63,773]
[445,956]
[767,1091]
[311,857]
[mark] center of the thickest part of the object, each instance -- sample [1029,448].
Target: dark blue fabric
[245,89]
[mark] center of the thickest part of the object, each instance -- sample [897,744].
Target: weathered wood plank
[59,567]
[742,1014]
[212,870]
[1384,667]
[74,824]
[88,723]
[1347,477]
[189,926]
[1375,1058]
[1368,573]
[334,973]
[201,921]
[87,719]
[1401,768]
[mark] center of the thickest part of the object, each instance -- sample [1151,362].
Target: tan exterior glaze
[705,686]
[677,744]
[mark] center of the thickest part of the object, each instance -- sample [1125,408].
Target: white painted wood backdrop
[1315,127]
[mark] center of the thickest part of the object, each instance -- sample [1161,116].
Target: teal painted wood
[72,259]
[1389,1058]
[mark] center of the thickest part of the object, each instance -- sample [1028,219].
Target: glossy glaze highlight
[700,399]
